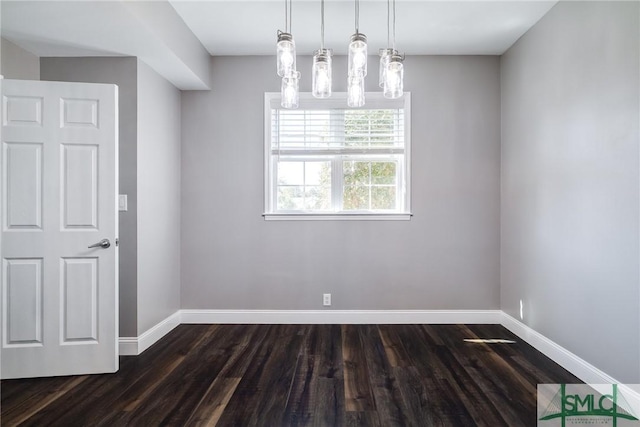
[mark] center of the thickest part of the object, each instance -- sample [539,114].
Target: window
[325,161]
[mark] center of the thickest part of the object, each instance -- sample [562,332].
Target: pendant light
[286,47]
[357,65]
[286,63]
[392,74]
[321,71]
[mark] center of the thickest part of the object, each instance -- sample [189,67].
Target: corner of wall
[18,63]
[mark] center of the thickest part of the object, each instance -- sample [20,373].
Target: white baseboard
[128,346]
[341,316]
[133,346]
[569,361]
[563,357]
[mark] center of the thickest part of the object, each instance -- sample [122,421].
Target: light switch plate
[122,202]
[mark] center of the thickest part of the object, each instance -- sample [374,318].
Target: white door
[58,186]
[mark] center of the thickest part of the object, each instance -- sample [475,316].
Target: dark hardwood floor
[294,375]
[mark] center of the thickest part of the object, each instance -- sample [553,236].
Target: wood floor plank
[357,389]
[495,387]
[396,353]
[388,400]
[96,399]
[300,375]
[362,419]
[25,409]
[124,394]
[183,386]
[329,409]
[14,391]
[261,395]
[214,403]
[441,405]
[224,350]
[278,377]
[302,394]
[328,351]
[416,401]
[537,367]
[141,393]
[471,395]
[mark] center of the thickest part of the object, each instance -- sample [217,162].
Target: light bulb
[322,82]
[321,74]
[289,93]
[287,59]
[355,91]
[289,90]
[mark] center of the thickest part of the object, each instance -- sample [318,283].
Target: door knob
[104,244]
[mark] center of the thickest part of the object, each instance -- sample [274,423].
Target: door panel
[59,196]
[80,186]
[23,185]
[23,296]
[22,111]
[80,288]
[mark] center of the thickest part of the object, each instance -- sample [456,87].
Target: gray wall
[446,257]
[122,72]
[570,113]
[17,63]
[158,198]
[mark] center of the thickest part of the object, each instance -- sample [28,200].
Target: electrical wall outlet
[326,300]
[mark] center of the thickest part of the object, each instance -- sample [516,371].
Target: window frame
[338,100]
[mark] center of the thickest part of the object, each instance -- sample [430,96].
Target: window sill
[337,216]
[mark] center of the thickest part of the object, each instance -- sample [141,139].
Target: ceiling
[422,27]
[176,37]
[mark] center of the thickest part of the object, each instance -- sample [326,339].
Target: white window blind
[323,159]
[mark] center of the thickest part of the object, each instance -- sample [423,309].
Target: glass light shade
[355,91]
[321,74]
[358,55]
[394,76]
[285,54]
[385,56]
[290,90]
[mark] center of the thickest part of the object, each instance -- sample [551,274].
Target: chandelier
[390,73]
